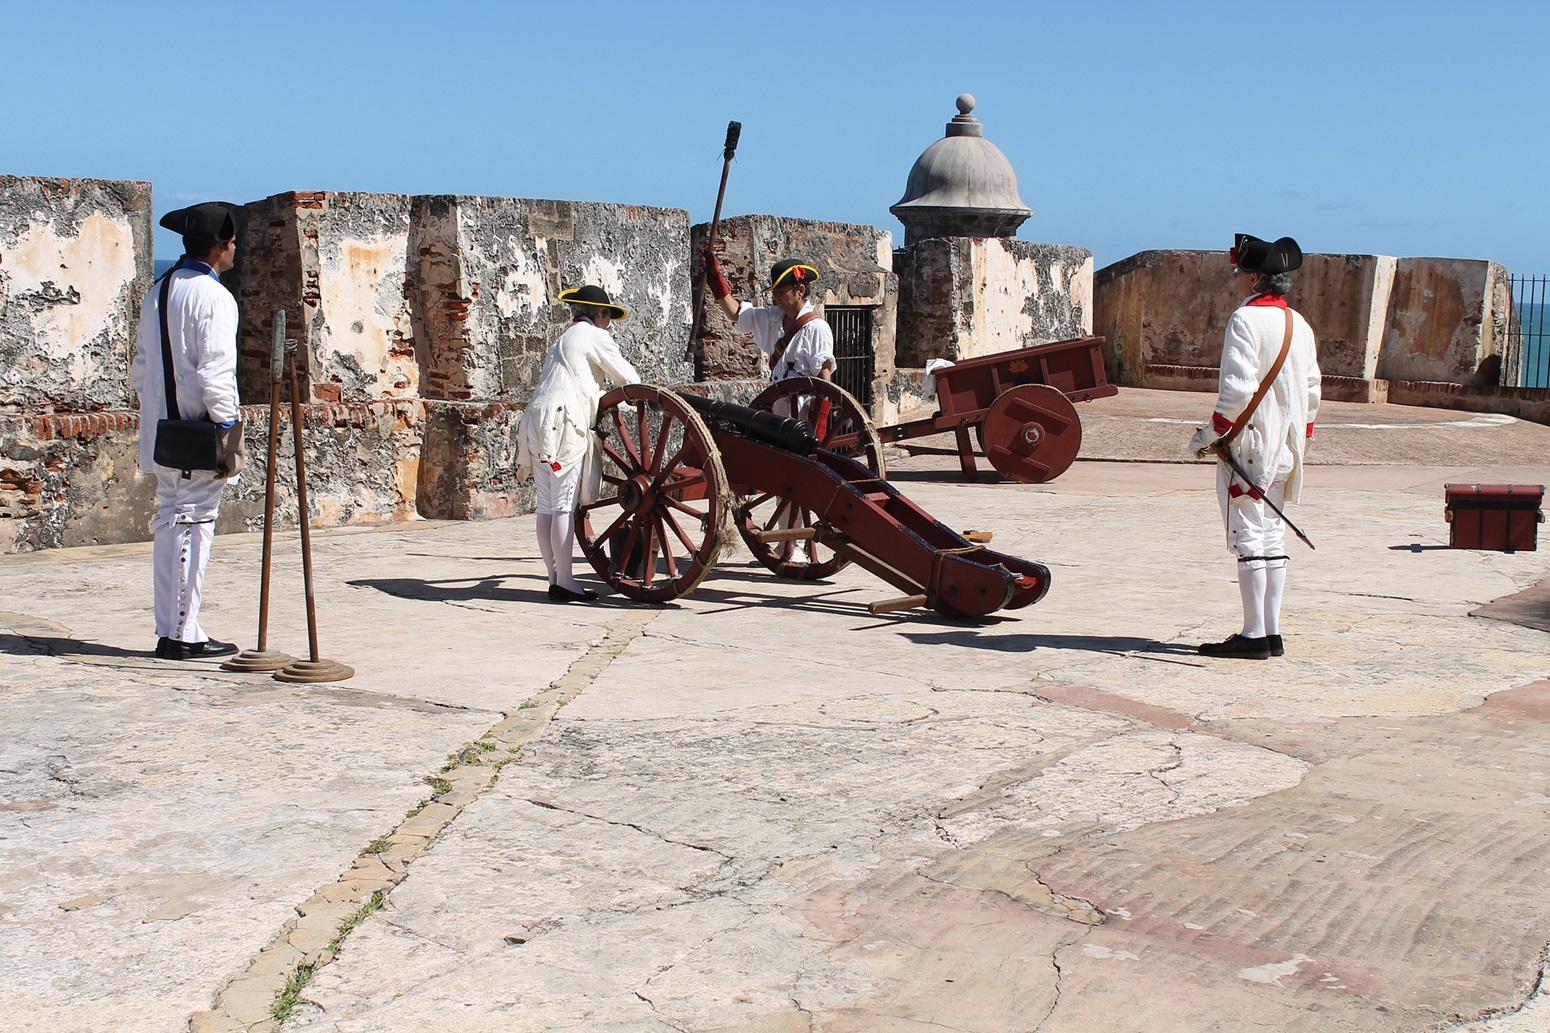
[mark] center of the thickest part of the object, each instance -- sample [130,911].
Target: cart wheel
[849,429]
[658,527]
[1031,433]
[849,432]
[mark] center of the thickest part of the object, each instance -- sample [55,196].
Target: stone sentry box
[855,283]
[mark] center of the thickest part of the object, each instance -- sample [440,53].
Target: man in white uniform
[202,330]
[794,340]
[556,437]
[1269,443]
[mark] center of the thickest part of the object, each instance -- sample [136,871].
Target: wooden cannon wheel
[1031,433]
[850,432]
[657,528]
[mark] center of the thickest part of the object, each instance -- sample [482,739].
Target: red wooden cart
[1017,402]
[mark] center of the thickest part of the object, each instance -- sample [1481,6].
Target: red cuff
[1310,430]
[1220,423]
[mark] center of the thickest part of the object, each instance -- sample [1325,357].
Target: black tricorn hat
[791,271]
[590,295]
[211,220]
[1252,255]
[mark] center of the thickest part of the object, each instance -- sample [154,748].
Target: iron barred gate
[854,360]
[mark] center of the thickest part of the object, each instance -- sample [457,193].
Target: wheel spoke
[618,460]
[649,553]
[657,466]
[667,519]
[627,441]
[641,432]
[613,527]
[667,549]
[683,507]
[599,504]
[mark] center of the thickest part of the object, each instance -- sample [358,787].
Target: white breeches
[557,492]
[1254,532]
[183,531]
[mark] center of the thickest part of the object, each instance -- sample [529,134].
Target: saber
[734,130]
[1225,455]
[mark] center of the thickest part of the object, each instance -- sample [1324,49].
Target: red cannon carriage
[679,471]
[1018,404]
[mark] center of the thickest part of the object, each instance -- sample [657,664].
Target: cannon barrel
[782,432]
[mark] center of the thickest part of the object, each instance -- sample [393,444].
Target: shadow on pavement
[453,590]
[1117,645]
[53,645]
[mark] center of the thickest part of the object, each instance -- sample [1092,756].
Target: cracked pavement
[764,809]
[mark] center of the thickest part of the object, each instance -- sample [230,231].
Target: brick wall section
[74,479]
[338,265]
[75,263]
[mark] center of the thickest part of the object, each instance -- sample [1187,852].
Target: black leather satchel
[187,445]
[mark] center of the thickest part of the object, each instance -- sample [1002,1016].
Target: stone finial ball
[965,103]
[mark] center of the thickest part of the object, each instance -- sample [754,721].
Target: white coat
[557,424]
[805,353]
[1276,433]
[202,328]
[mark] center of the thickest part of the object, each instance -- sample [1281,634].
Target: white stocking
[546,542]
[1251,586]
[562,540]
[1275,584]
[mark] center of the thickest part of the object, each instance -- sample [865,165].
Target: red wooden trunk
[1499,517]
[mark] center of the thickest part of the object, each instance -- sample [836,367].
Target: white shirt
[202,329]
[1278,429]
[805,353]
[559,417]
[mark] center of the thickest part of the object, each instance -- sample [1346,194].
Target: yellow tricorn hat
[791,271]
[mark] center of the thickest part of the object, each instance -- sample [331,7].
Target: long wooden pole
[276,366]
[728,150]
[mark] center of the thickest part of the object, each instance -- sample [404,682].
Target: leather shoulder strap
[1264,387]
[166,348]
[785,338]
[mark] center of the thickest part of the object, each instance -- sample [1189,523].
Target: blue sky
[1397,128]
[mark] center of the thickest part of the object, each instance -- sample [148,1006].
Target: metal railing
[1526,357]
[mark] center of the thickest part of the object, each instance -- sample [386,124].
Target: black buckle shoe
[1277,647]
[172,649]
[1238,648]
[559,594]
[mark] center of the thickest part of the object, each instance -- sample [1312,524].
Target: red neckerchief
[1222,424]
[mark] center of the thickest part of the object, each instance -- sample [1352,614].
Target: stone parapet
[1525,403]
[338,265]
[468,463]
[963,297]
[75,263]
[1375,317]
[490,271]
[1447,321]
[450,297]
[74,479]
